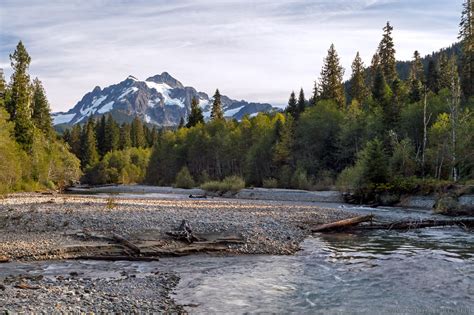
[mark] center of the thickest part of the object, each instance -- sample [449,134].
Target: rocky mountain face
[160,100]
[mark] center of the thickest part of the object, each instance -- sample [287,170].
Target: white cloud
[257,50]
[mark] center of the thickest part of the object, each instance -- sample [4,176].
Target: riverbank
[37,227]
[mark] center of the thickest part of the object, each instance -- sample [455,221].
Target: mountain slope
[160,100]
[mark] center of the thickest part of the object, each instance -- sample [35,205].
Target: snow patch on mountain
[164,90]
[128,91]
[232,112]
[62,118]
[92,109]
[106,108]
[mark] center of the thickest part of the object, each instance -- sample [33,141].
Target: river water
[425,271]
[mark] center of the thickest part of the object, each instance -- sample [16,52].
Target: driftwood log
[343,224]
[419,224]
[184,233]
[353,223]
[134,248]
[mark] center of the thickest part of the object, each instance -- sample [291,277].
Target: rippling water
[425,271]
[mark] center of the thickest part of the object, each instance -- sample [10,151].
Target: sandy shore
[37,227]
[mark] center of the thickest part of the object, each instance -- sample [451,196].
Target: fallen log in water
[418,224]
[343,224]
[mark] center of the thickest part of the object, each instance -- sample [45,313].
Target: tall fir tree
[111,134]
[380,87]
[386,52]
[100,135]
[432,76]
[89,154]
[75,140]
[19,103]
[416,78]
[195,116]
[292,107]
[466,35]
[358,89]
[216,111]
[125,137]
[331,86]
[301,103]
[41,112]
[3,89]
[448,70]
[137,134]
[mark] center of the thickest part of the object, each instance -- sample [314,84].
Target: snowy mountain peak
[161,100]
[166,78]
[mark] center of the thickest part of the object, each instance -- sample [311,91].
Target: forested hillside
[388,129]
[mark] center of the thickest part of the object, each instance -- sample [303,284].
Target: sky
[257,50]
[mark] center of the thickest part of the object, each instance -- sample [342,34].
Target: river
[378,272]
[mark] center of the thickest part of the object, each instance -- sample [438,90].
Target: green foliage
[184,179]
[270,182]
[216,110]
[119,167]
[370,170]
[386,52]
[331,87]
[195,117]
[12,158]
[300,180]
[358,91]
[231,184]
[41,113]
[19,102]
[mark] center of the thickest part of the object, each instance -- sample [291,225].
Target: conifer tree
[137,134]
[466,35]
[386,52]
[216,111]
[153,137]
[75,140]
[417,78]
[89,154]
[111,135]
[3,89]
[100,135]
[292,107]
[19,104]
[331,86]
[380,87]
[125,137]
[448,70]
[41,112]
[358,89]
[301,102]
[195,117]
[314,98]
[432,77]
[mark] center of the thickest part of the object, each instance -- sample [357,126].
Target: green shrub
[300,180]
[184,179]
[229,184]
[270,182]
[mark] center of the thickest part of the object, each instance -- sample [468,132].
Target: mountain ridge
[159,100]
